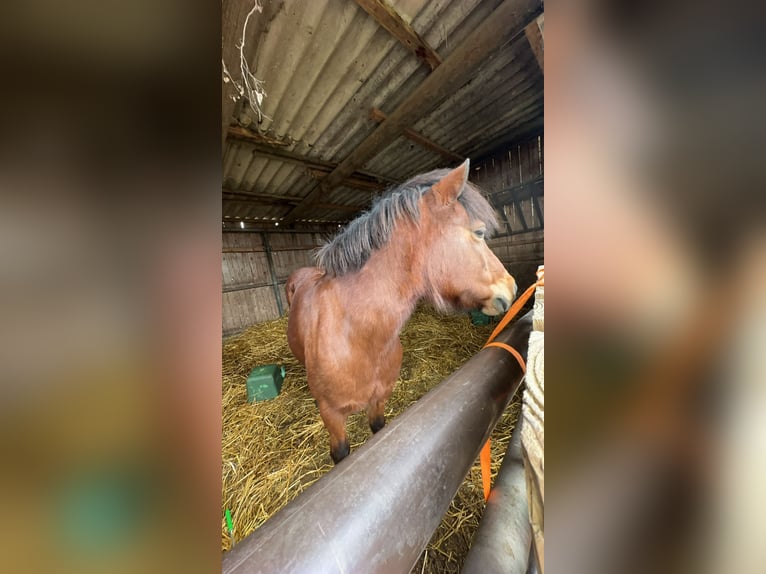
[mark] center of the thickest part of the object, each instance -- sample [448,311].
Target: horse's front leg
[376,411]
[376,415]
[335,422]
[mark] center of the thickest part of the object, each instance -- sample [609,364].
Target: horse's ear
[449,188]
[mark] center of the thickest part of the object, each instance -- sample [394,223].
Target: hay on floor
[273,450]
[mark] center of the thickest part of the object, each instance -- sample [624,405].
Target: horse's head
[461,270]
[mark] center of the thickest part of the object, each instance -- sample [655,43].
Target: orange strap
[485,458]
[517,305]
[511,350]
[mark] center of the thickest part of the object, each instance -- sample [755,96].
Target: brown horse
[297,278]
[424,240]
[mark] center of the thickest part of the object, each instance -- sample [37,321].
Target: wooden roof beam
[265,147]
[339,207]
[257,201]
[351,181]
[534,33]
[262,198]
[507,21]
[419,139]
[388,18]
[247,197]
[239,132]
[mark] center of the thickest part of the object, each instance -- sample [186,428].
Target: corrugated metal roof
[326,63]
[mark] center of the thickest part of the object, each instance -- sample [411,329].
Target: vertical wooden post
[520,211]
[272,272]
[539,211]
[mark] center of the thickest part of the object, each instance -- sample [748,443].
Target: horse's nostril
[502,304]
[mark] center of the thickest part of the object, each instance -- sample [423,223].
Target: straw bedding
[273,450]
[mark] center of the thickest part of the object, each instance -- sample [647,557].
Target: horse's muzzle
[503,293]
[501,304]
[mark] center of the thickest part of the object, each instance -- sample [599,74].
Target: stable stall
[327,105]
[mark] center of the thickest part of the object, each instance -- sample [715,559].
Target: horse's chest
[370,353]
[362,359]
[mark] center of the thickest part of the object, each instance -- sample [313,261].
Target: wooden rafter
[236,198]
[237,202]
[419,139]
[238,132]
[232,225]
[339,207]
[388,18]
[359,179]
[508,19]
[534,33]
[351,181]
[264,198]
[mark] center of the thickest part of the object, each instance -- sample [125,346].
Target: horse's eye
[479,233]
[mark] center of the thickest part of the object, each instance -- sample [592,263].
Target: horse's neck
[390,285]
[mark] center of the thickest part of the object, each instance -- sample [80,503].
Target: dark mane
[350,249]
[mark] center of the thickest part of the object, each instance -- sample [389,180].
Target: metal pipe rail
[376,511]
[504,539]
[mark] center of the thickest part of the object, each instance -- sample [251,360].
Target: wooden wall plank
[521,254]
[242,309]
[511,175]
[529,214]
[541,153]
[249,266]
[534,162]
[523,162]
